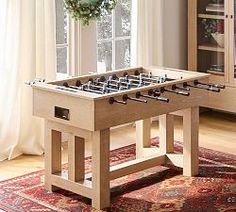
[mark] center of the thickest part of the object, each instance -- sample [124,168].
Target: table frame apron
[98,189]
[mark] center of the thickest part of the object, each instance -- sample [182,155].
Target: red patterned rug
[156,189]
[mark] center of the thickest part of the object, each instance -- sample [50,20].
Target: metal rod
[180,88]
[70,86]
[138,95]
[213,89]
[105,86]
[141,79]
[165,78]
[220,86]
[163,99]
[112,101]
[126,97]
[66,89]
[107,83]
[183,93]
[91,90]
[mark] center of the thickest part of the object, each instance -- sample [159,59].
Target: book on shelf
[219,8]
[216,69]
[215,72]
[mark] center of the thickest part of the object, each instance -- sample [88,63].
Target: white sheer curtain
[27,51]
[147,40]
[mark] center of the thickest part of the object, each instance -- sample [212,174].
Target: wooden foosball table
[87,107]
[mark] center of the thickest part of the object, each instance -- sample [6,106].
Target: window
[62,23]
[114,38]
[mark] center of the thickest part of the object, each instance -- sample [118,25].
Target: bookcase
[211,47]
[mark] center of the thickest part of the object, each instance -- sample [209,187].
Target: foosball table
[86,107]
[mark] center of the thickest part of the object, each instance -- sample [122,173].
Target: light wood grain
[83,188]
[192,35]
[190,143]
[52,155]
[226,100]
[100,169]
[166,122]
[81,110]
[176,159]
[76,165]
[143,136]
[136,165]
[217,132]
[134,111]
[92,112]
[231,41]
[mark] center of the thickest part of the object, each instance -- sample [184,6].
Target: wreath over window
[89,10]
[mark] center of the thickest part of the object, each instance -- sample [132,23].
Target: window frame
[115,38]
[81,45]
[72,45]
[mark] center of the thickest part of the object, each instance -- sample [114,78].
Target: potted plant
[214,28]
[89,10]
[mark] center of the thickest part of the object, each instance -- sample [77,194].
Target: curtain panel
[147,32]
[27,51]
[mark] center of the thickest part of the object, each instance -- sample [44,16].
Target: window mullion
[113,44]
[63,45]
[62,32]
[113,41]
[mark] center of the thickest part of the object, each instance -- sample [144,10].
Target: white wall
[175,38]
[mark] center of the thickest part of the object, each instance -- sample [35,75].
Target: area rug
[156,189]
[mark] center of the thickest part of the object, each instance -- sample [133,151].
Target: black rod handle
[112,100]
[180,88]
[138,95]
[65,84]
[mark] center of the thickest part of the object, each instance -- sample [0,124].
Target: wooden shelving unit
[215,72]
[211,47]
[207,16]
[204,53]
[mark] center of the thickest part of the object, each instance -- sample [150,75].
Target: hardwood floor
[217,132]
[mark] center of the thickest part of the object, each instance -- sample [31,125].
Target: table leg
[143,136]
[52,154]
[190,146]
[166,126]
[76,158]
[101,169]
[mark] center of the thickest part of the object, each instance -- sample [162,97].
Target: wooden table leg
[190,146]
[76,166]
[101,169]
[52,154]
[166,126]
[143,136]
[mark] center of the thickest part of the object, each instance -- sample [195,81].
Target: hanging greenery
[89,10]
